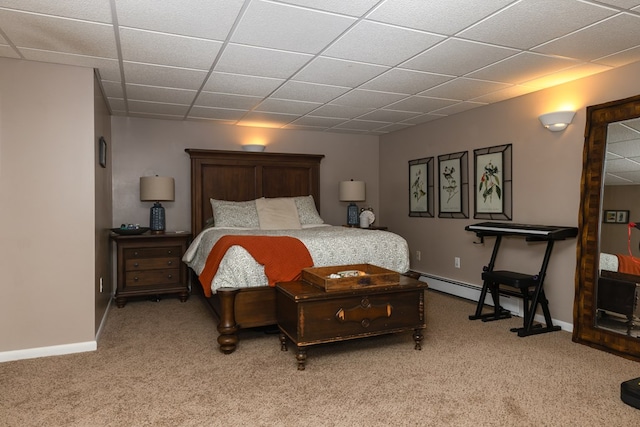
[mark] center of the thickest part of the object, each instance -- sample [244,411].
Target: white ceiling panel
[240,59]
[338,72]
[209,19]
[458,57]
[177,51]
[405,81]
[241,84]
[299,29]
[436,16]
[309,64]
[58,34]
[380,44]
[529,23]
[619,33]
[301,91]
[160,94]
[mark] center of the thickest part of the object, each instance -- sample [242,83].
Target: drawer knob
[136,253]
[135,264]
[365,323]
[170,263]
[365,303]
[169,251]
[170,276]
[135,279]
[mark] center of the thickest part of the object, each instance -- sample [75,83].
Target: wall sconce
[557,121]
[253,147]
[156,189]
[352,191]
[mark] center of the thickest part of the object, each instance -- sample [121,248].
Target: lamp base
[353,215]
[156,219]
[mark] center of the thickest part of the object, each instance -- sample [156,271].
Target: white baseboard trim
[472,293]
[54,350]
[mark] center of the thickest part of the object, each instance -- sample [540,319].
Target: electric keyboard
[546,232]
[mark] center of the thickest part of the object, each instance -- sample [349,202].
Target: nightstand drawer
[152,277]
[169,251]
[137,264]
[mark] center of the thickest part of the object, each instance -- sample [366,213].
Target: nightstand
[151,264]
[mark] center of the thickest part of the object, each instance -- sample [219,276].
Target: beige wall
[546,181]
[103,209]
[46,205]
[147,147]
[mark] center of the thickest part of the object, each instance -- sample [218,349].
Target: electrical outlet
[418,255]
[456,262]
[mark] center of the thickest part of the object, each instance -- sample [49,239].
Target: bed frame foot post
[227,327]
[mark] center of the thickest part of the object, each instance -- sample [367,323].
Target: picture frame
[616,217]
[421,187]
[453,185]
[493,182]
[102,152]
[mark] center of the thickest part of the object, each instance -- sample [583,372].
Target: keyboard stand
[528,287]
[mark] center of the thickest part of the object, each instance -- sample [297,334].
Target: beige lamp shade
[157,188]
[352,191]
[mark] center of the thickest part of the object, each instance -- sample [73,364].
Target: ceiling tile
[223,100]
[157,108]
[381,44]
[266,119]
[421,104]
[286,106]
[424,118]
[209,19]
[615,34]
[627,4]
[157,75]
[318,121]
[564,76]
[216,113]
[177,51]
[112,89]
[522,67]
[301,91]
[8,52]
[463,88]
[261,62]
[58,34]
[405,81]
[458,57]
[338,72]
[353,8]
[538,21]
[340,111]
[241,85]
[361,125]
[621,58]
[503,94]
[393,127]
[367,98]
[160,94]
[460,107]
[388,116]
[109,68]
[436,16]
[280,26]
[117,104]
[98,10]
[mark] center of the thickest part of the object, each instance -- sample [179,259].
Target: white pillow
[307,212]
[277,214]
[235,214]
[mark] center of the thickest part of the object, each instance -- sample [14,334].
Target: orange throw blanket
[283,257]
[628,265]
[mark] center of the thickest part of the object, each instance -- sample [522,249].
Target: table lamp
[352,191]
[157,189]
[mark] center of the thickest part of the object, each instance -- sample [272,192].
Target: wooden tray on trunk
[353,276]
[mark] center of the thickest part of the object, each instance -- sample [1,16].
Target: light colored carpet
[157,364]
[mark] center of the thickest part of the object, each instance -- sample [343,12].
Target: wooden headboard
[239,176]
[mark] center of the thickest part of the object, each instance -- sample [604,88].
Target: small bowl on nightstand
[130,231]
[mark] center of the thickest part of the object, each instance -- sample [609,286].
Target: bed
[239,296]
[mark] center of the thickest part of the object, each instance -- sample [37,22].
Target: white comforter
[327,245]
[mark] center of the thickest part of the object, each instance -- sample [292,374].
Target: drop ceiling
[360,66]
[622,165]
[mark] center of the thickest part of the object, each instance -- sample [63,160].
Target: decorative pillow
[277,214]
[307,212]
[235,214]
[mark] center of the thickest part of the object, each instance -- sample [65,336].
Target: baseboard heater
[472,293]
[469,292]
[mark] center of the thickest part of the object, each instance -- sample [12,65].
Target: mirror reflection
[618,289]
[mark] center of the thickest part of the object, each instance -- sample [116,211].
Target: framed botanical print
[421,187]
[453,185]
[493,182]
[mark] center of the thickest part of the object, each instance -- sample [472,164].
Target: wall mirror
[606,306]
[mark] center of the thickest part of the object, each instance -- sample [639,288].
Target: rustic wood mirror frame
[588,250]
